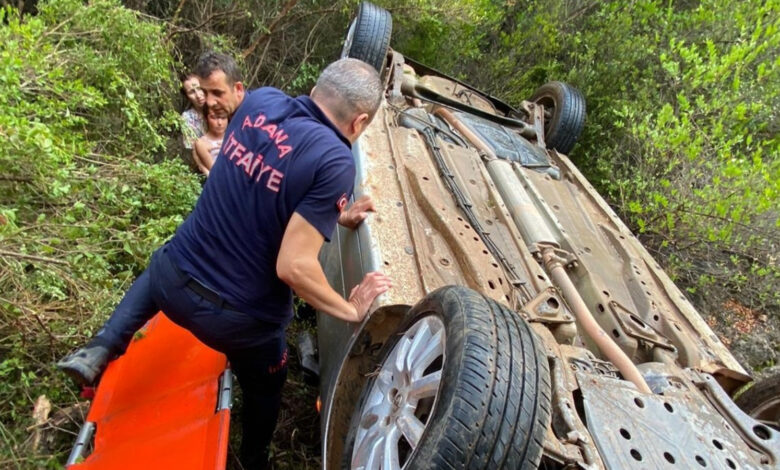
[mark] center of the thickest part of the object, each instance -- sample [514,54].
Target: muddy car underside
[467,194]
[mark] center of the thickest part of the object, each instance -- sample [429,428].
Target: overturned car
[527,327]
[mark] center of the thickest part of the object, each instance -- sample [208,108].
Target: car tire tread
[371,38]
[568,120]
[495,410]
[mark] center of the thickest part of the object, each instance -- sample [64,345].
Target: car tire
[564,114]
[490,408]
[368,37]
[762,401]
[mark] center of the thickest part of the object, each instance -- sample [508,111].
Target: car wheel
[762,401]
[463,384]
[564,115]
[368,37]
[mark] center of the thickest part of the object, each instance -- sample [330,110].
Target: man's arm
[298,266]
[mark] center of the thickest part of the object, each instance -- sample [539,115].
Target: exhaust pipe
[536,232]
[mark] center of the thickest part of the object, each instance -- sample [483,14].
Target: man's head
[348,91]
[221,82]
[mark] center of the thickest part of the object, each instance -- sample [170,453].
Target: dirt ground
[752,336]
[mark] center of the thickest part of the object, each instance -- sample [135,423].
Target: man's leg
[134,310]
[258,356]
[257,352]
[137,306]
[261,377]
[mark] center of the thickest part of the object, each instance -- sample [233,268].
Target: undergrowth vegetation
[85,194]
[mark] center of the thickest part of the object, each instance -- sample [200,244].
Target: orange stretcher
[164,404]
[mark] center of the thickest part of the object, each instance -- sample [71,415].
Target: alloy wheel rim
[348,40]
[401,399]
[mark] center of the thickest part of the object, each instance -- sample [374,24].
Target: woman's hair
[183,77]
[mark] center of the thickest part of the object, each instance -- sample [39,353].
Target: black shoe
[85,365]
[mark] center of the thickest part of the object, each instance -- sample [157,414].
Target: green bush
[683,136]
[86,194]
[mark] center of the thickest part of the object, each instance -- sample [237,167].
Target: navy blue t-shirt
[280,155]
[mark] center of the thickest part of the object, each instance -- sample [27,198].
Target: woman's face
[217,122]
[192,89]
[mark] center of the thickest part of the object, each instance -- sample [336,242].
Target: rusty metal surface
[422,243]
[454,90]
[762,438]
[568,440]
[677,430]
[615,269]
[507,143]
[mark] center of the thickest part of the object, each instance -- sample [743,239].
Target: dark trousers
[257,350]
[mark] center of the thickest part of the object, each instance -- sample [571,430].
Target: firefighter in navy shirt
[281,183]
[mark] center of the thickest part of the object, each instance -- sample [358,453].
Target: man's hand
[363,294]
[298,266]
[357,212]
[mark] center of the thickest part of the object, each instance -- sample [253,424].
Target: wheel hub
[401,398]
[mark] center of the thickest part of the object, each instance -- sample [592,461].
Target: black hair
[209,62]
[183,77]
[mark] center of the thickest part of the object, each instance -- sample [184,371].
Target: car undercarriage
[524,310]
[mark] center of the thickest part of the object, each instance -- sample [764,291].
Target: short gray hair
[349,87]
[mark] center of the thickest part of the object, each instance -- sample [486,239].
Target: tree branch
[264,37]
[178,11]
[13,254]
[203,23]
